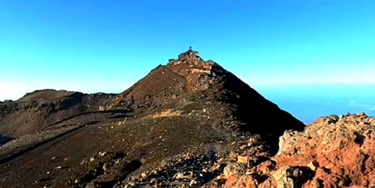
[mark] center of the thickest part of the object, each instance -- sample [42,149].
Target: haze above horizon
[102,46]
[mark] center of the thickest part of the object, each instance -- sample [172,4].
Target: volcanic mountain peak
[181,125]
[190,62]
[173,81]
[194,81]
[187,106]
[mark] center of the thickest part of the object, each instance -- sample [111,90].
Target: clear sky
[102,45]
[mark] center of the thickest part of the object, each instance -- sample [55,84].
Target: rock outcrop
[331,152]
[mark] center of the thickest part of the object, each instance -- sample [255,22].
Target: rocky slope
[189,84]
[331,152]
[43,109]
[173,128]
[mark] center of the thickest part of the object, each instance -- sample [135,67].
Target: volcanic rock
[342,150]
[332,152]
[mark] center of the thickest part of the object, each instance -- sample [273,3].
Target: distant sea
[307,102]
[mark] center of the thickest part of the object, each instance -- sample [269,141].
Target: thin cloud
[370,107]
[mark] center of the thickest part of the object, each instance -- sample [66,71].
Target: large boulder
[331,152]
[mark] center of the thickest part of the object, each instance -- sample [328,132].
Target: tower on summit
[190,49]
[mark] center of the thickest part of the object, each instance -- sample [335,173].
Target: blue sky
[106,46]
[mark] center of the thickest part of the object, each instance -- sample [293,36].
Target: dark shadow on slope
[5,139]
[114,113]
[256,113]
[19,153]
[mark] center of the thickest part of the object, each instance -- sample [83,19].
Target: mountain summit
[179,120]
[189,78]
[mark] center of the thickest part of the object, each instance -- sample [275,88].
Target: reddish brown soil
[331,152]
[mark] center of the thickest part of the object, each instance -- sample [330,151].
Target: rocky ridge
[45,109]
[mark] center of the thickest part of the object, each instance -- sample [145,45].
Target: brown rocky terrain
[44,109]
[189,123]
[331,152]
[173,128]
